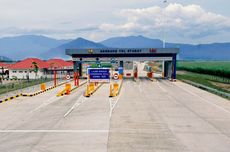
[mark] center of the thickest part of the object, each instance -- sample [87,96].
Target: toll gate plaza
[133,109]
[167,55]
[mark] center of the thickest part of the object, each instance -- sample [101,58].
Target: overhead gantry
[167,55]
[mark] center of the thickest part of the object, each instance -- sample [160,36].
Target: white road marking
[162,88]
[79,101]
[51,100]
[112,106]
[139,87]
[54,131]
[215,105]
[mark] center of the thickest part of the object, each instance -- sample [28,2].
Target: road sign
[99,74]
[67,77]
[115,76]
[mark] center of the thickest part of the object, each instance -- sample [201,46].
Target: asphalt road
[160,116]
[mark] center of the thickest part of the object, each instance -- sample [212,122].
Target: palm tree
[36,68]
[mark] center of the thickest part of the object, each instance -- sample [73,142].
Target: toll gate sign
[99,74]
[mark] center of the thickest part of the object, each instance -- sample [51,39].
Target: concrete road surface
[160,116]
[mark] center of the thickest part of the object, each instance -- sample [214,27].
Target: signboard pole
[55,77]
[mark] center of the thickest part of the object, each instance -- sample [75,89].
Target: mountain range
[21,47]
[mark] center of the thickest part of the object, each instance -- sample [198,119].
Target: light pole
[164,22]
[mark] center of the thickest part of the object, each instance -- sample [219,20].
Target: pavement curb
[74,88]
[10,98]
[39,92]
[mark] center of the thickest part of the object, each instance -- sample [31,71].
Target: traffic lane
[192,120]
[201,105]
[20,107]
[91,129]
[137,126]
[90,119]
[221,104]
[42,119]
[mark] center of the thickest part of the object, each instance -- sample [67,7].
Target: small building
[4,69]
[25,69]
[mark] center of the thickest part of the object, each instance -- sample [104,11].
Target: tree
[36,68]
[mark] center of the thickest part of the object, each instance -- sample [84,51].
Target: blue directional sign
[99,74]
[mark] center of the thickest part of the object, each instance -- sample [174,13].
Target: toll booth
[167,55]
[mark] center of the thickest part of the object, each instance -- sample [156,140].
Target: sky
[183,21]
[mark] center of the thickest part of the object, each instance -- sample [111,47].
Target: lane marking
[54,131]
[213,104]
[79,101]
[51,100]
[162,88]
[139,87]
[112,106]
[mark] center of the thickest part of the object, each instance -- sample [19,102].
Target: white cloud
[187,21]
[96,19]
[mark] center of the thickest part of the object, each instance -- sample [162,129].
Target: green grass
[215,68]
[200,80]
[20,85]
[213,74]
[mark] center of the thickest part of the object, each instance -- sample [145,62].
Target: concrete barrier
[10,98]
[91,88]
[69,89]
[66,91]
[31,94]
[42,91]
[115,89]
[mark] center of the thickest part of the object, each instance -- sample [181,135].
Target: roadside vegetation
[213,74]
[20,84]
[214,68]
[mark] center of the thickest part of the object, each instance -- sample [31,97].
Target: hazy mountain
[132,42]
[5,59]
[215,51]
[77,43]
[20,47]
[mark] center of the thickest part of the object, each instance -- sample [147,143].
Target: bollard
[68,88]
[111,91]
[135,75]
[91,87]
[120,76]
[43,86]
[150,75]
[87,92]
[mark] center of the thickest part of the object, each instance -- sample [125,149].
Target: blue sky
[186,21]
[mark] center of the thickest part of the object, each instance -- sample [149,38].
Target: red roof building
[4,65]
[26,68]
[28,64]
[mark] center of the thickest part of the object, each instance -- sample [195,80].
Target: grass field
[213,74]
[215,68]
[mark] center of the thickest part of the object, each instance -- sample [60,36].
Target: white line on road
[54,131]
[79,101]
[112,106]
[163,89]
[139,87]
[51,100]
